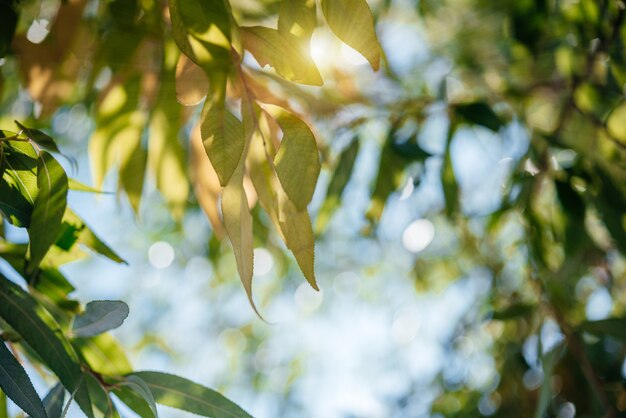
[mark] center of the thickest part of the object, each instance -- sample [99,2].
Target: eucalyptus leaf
[100,316]
[53,401]
[16,384]
[41,138]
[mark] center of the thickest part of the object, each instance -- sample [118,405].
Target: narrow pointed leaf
[53,402]
[16,384]
[100,316]
[43,335]
[42,139]
[103,354]
[353,23]
[18,185]
[297,160]
[224,141]
[180,393]
[78,186]
[48,209]
[140,387]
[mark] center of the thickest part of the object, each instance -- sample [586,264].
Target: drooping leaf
[238,225]
[53,401]
[43,335]
[42,139]
[283,51]
[338,182]
[76,185]
[48,208]
[297,160]
[192,83]
[103,354]
[99,316]
[223,139]
[18,185]
[100,397]
[298,18]
[479,113]
[16,384]
[140,387]
[180,393]
[353,23]
[448,178]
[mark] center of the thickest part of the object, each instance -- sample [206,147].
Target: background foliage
[490,142]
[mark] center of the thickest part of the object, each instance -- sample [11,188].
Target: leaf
[206,183]
[42,139]
[297,18]
[283,51]
[238,225]
[514,311]
[180,393]
[48,209]
[53,402]
[192,83]
[202,31]
[77,186]
[100,397]
[548,362]
[8,23]
[133,400]
[44,336]
[297,160]
[18,186]
[615,327]
[141,388]
[353,23]
[224,141]
[99,316]
[16,384]
[103,354]
[337,184]
[611,203]
[479,113]
[448,179]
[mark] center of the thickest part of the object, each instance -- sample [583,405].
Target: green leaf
[4,413]
[42,139]
[100,397]
[18,186]
[353,23]
[180,393]
[224,141]
[103,354]
[8,23]
[140,387]
[133,400]
[514,311]
[202,30]
[78,186]
[479,113]
[338,182]
[53,402]
[297,18]
[297,160]
[48,209]
[99,316]
[17,385]
[448,178]
[43,335]
[615,327]
[289,56]
[238,224]
[611,204]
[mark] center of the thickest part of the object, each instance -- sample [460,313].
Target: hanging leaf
[337,184]
[297,18]
[180,393]
[48,209]
[238,224]
[16,384]
[18,186]
[192,83]
[353,23]
[77,186]
[99,316]
[284,52]
[224,141]
[43,335]
[297,160]
[100,397]
[448,179]
[42,139]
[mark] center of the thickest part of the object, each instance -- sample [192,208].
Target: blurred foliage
[553,69]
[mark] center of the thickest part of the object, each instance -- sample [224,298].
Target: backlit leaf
[298,18]
[99,316]
[48,209]
[42,139]
[18,186]
[180,393]
[223,139]
[448,178]
[43,335]
[16,384]
[282,51]
[297,160]
[353,23]
[103,354]
[192,83]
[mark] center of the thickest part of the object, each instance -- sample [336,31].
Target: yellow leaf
[297,160]
[298,18]
[282,51]
[353,23]
[192,83]
[206,183]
